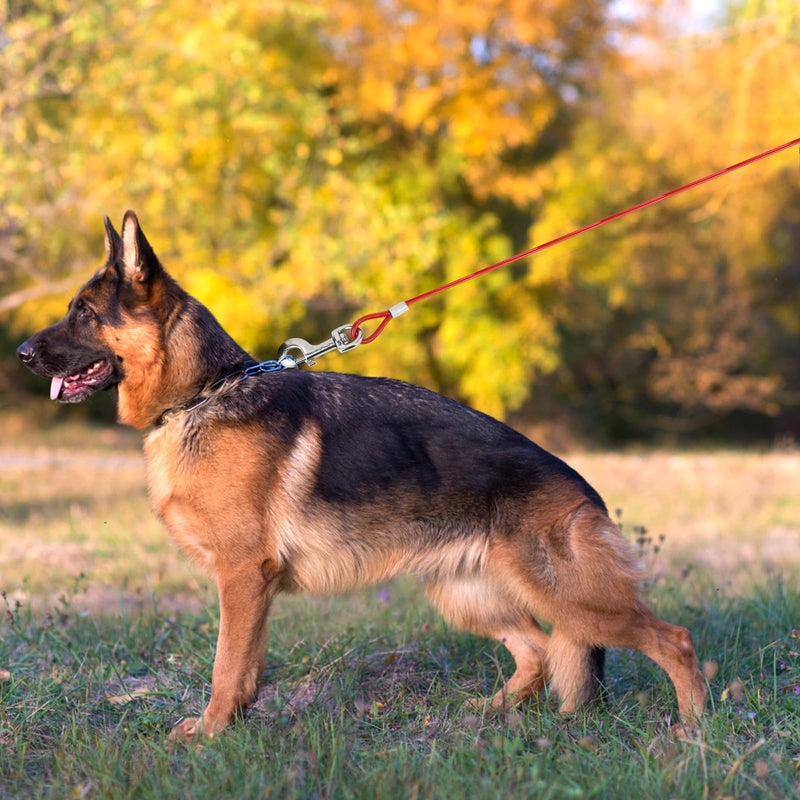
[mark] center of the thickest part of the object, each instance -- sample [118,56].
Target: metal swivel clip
[340,340]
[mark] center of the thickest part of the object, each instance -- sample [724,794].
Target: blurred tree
[485,90]
[297,162]
[679,317]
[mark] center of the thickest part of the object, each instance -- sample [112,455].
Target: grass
[367,696]
[108,639]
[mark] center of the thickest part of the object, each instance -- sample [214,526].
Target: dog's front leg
[245,594]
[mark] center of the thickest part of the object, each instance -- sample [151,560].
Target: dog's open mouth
[72,388]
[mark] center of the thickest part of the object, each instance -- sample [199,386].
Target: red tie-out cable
[401,308]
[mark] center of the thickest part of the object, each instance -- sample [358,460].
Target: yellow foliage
[674,290]
[296,164]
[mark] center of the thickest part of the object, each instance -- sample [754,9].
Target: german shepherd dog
[314,481]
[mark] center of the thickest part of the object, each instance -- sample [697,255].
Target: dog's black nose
[26,352]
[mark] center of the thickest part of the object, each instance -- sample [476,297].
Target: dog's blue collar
[233,379]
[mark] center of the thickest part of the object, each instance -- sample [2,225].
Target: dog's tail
[576,672]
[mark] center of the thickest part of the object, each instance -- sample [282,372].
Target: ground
[109,638]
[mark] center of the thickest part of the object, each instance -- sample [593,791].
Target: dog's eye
[85,313]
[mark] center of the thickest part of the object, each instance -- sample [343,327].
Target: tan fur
[207,500]
[141,348]
[527,644]
[570,567]
[159,370]
[220,524]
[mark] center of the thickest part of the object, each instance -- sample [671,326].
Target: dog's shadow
[371,650]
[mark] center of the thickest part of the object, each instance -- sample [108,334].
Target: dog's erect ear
[113,242]
[139,262]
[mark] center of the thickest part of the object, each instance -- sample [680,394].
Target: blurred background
[296,164]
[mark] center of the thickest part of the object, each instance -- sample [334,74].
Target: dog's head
[84,352]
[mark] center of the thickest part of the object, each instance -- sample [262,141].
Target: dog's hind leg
[671,647]
[637,628]
[476,604]
[596,603]
[581,574]
[245,595]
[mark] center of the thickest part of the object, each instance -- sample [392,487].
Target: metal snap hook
[340,340]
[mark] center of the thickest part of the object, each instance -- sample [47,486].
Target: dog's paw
[190,730]
[485,706]
[684,730]
[479,705]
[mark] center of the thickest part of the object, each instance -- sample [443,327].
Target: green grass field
[108,639]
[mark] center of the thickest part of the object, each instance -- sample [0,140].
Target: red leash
[401,308]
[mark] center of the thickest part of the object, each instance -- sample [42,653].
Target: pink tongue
[55,388]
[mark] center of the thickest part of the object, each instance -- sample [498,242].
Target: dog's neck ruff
[233,379]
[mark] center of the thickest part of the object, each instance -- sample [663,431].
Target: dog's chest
[210,486]
[162,459]
[172,488]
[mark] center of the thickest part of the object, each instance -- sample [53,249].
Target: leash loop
[386,316]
